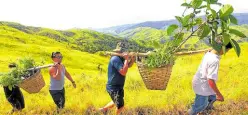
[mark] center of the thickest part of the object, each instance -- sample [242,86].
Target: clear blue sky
[65,14]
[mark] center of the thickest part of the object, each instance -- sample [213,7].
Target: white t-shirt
[208,70]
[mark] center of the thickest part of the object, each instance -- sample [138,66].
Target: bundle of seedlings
[18,72]
[25,74]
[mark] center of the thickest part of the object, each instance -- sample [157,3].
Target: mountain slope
[145,35]
[79,39]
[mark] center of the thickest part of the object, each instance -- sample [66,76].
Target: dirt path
[231,108]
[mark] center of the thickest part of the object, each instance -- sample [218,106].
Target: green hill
[139,39]
[144,36]
[79,39]
[15,43]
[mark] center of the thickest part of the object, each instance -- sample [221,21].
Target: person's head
[12,65]
[57,57]
[118,48]
[228,47]
[121,47]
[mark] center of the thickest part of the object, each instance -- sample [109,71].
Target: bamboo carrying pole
[192,52]
[132,53]
[146,54]
[40,67]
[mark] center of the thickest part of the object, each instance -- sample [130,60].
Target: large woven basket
[155,78]
[34,83]
[158,78]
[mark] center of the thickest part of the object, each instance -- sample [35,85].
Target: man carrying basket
[117,70]
[57,77]
[204,82]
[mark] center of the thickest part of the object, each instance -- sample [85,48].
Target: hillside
[139,39]
[91,92]
[79,39]
[144,35]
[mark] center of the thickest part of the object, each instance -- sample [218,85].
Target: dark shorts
[58,97]
[15,97]
[117,97]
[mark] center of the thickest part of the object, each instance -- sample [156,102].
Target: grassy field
[90,92]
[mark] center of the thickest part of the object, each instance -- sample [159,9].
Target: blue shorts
[202,103]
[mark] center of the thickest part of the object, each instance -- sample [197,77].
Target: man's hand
[74,84]
[219,97]
[125,56]
[57,65]
[55,71]
[132,59]
[216,90]
[132,55]
[124,69]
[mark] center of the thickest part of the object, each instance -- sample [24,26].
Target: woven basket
[34,83]
[155,78]
[158,78]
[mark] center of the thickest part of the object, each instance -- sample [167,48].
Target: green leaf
[171,29]
[183,20]
[214,14]
[215,25]
[211,1]
[186,20]
[196,3]
[179,19]
[224,49]
[226,10]
[186,4]
[10,87]
[226,38]
[198,20]
[233,19]
[208,5]
[178,38]
[204,6]
[223,26]
[203,31]
[236,47]
[228,21]
[237,33]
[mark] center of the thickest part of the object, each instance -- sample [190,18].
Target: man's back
[207,70]
[115,79]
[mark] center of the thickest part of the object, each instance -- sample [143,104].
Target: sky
[66,14]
